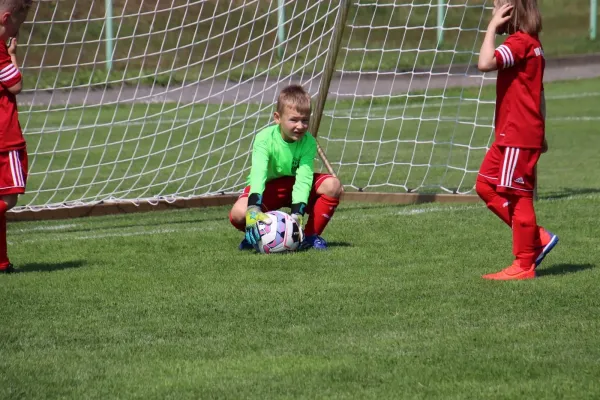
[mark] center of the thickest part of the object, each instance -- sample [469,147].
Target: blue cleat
[245,245]
[552,241]
[314,241]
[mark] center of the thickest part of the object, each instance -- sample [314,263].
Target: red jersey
[519,90]
[11,136]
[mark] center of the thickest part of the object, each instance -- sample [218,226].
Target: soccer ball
[283,234]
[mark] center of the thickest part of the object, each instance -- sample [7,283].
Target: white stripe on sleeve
[507,55]
[8,70]
[8,78]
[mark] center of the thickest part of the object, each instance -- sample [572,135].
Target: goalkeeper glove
[298,213]
[253,216]
[298,216]
[299,219]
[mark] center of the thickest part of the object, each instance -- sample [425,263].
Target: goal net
[148,100]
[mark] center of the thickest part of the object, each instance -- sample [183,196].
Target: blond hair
[294,96]
[526,16]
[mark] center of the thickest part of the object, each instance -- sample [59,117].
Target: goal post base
[409,198]
[125,207]
[120,207]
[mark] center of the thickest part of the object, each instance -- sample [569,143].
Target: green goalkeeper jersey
[273,157]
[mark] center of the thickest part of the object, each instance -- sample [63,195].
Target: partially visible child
[282,175]
[13,153]
[507,176]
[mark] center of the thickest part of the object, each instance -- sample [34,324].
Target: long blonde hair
[526,16]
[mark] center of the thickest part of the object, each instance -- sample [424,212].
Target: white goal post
[153,101]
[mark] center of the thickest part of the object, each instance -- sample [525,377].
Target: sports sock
[502,206]
[3,245]
[321,214]
[525,230]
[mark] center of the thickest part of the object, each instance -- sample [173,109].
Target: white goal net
[153,99]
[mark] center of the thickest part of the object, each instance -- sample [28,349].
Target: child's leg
[237,215]
[3,246]
[499,205]
[13,177]
[517,183]
[323,203]
[498,172]
[487,180]
[525,231]
[6,203]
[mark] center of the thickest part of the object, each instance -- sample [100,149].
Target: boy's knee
[236,215]
[237,219]
[332,187]
[525,221]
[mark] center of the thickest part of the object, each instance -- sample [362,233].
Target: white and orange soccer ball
[282,235]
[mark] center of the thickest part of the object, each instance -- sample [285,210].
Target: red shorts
[278,192]
[511,169]
[13,172]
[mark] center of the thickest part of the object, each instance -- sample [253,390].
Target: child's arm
[487,58]
[259,170]
[12,51]
[258,178]
[304,181]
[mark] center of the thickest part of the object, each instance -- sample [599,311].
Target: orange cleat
[514,272]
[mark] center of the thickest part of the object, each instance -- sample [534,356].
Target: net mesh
[161,99]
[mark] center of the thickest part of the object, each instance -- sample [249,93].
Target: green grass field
[162,305]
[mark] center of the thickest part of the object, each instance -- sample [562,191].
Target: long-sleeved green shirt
[273,157]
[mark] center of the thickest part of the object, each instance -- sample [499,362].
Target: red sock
[3,247]
[320,215]
[502,206]
[498,204]
[525,230]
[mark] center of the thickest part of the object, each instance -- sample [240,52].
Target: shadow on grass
[563,269]
[569,192]
[48,267]
[339,244]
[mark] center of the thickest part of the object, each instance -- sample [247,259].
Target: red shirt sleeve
[511,52]
[9,74]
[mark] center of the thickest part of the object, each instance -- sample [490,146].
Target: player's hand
[12,46]
[544,146]
[501,16]
[253,216]
[297,213]
[299,218]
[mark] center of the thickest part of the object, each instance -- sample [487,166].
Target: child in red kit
[507,176]
[282,175]
[13,153]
